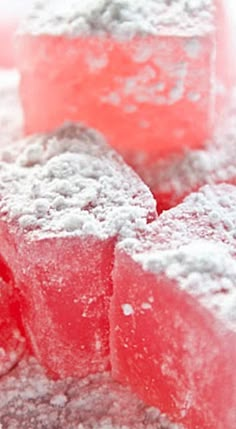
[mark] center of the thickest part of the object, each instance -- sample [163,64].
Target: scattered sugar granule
[29,400]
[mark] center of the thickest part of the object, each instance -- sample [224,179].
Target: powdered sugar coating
[28,399]
[71,183]
[195,245]
[121,18]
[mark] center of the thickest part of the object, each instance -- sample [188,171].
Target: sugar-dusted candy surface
[172,179]
[29,399]
[12,342]
[65,199]
[173,312]
[143,73]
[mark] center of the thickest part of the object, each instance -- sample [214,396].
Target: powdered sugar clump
[28,399]
[72,183]
[121,18]
[195,245]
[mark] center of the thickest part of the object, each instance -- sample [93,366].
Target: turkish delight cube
[172,319]
[149,75]
[64,200]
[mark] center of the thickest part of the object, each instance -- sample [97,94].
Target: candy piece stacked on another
[64,202]
[147,74]
[173,312]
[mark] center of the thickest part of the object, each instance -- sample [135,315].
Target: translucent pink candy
[151,93]
[173,324]
[12,342]
[65,199]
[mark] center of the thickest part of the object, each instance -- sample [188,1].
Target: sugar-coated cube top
[121,18]
[71,183]
[195,245]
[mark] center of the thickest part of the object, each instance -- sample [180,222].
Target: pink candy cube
[173,324]
[65,200]
[152,76]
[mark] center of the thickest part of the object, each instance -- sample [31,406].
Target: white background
[14,7]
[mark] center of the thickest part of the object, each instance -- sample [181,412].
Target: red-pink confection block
[150,75]
[173,312]
[12,342]
[64,200]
